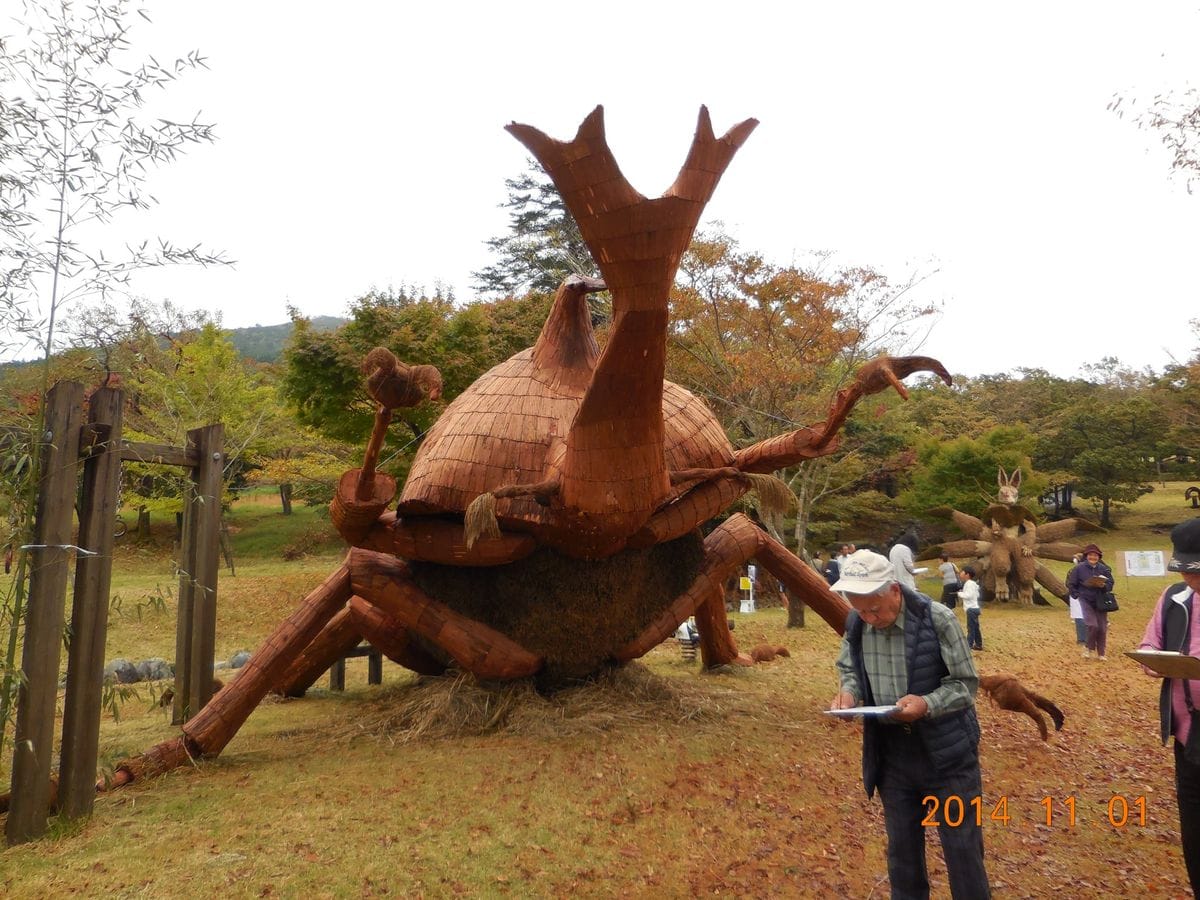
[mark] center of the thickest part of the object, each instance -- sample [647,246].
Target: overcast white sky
[363,146]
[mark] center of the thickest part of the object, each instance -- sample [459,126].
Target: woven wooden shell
[499,432]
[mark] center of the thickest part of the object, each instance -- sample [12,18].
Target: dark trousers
[974,635]
[950,595]
[907,776]
[1187,791]
[1097,628]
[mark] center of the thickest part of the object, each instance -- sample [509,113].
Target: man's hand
[910,707]
[844,700]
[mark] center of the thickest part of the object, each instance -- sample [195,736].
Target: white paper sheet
[863,711]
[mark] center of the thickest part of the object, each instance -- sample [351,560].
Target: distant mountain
[264,343]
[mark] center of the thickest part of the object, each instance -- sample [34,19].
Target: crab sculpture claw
[879,374]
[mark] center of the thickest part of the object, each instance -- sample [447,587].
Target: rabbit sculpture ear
[1009,485]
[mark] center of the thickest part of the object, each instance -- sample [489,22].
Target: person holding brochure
[901,649]
[1089,580]
[1174,626]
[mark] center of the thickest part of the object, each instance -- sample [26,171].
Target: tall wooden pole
[183,611]
[34,733]
[89,612]
[197,626]
[210,441]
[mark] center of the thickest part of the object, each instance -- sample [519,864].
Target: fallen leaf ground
[759,796]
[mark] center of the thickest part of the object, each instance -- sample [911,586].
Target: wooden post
[183,612]
[34,734]
[337,675]
[89,612]
[196,638]
[374,667]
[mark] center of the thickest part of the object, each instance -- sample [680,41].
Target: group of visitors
[907,653]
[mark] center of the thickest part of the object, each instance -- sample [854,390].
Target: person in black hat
[1174,626]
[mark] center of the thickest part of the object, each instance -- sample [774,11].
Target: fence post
[89,611]
[34,734]
[183,611]
[337,675]
[197,624]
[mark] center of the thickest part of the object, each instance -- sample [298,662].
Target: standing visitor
[1089,580]
[1174,627]
[949,573]
[1075,610]
[833,570]
[901,558]
[969,593]
[902,649]
[844,554]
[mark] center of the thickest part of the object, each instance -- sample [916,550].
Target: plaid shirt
[887,669]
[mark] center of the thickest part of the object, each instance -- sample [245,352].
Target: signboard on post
[1148,563]
[746,583]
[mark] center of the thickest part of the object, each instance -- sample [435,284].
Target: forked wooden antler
[613,469]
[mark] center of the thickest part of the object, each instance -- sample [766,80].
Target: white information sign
[1145,562]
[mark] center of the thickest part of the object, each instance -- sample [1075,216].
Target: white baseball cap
[865,572]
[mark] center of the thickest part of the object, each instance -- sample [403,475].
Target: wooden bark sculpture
[549,525]
[1009,546]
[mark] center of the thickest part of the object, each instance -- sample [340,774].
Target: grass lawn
[732,783]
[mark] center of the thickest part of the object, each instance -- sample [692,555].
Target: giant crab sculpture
[550,523]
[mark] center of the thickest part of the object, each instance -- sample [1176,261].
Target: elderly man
[902,649]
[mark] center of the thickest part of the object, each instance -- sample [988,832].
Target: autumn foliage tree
[768,345]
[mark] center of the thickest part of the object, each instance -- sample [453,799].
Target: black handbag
[1107,603]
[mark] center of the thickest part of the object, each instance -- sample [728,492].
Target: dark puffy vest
[950,740]
[1176,626]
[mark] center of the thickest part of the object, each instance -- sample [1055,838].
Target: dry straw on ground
[457,705]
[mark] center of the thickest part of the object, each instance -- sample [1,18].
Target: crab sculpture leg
[728,547]
[207,733]
[357,621]
[328,617]
[717,488]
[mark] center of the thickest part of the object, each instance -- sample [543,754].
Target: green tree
[961,473]
[1177,393]
[323,382]
[1108,445]
[208,383]
[543,244]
